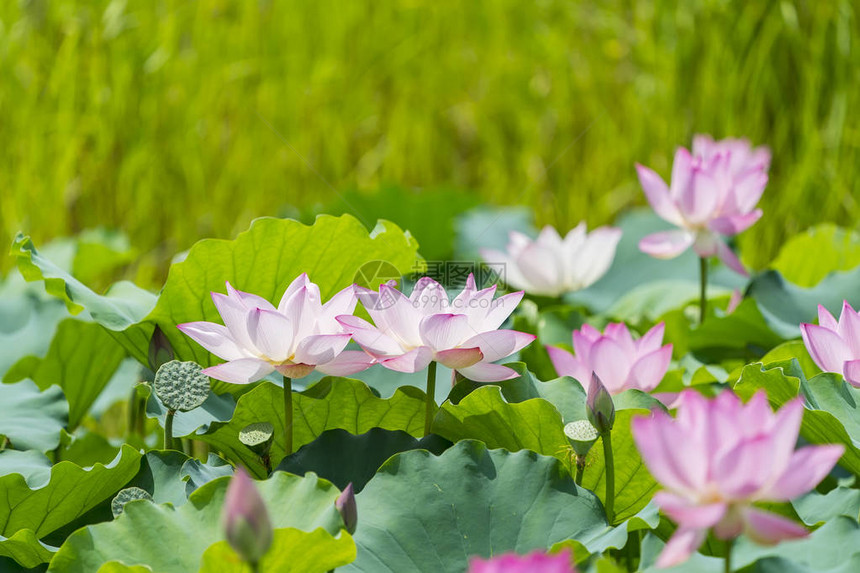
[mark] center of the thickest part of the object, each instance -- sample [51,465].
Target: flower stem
[288,416]
[431,395]
[609,464]
[580,469]
[703,278]
[728,562]
[168,429]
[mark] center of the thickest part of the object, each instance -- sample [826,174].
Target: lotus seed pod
[258,437]
[181,386]
[581,435]
[125,496]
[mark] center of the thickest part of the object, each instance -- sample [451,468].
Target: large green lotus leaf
[329,404]
[807,258]
[815,508]
[25,549]
[634,486]
[82,359]
[170,476]
[344,458]
[292,551]
[31,419]
[786,305]
[484,415]
[123,307]
[34,466]
[216,408]
[29,514]
[173,540]
[638,287]
[27,320]
[831,415]
[427,513]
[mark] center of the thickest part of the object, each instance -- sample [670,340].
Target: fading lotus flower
[835,345]
[462,333]
[713,193]
[551,265]
[246,521]
[718,457]
[297,337]
[621,362]
[535,562]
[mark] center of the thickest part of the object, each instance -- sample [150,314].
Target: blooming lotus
[619,361]
[713,194]
[246,521]
[535,562]
[461,333]
[835,345]
[718,457]
[295,338]
[551,265]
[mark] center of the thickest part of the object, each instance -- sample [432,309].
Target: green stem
[288,416]
[431,394]
[728,562]
[168,430]
[609,464]
[703,285]
[580,469]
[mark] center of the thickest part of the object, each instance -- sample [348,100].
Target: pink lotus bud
[599,406]
[246,521]
[160,349]
[345,504]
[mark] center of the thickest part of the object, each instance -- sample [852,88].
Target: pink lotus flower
[246,521]
[713,193]
[551,265]
[835,345]
[462,333]
[297,337]
[620,362]
[718,457]
[535,562]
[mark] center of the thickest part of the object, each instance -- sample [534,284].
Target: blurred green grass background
[178,120]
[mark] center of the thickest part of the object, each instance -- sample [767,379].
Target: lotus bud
[345,504]
[246,521]
[160,350]
[599,406]
[581,435]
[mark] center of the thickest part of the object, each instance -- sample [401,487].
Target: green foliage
[147,533]
[422,512]
[30,514]
[805,259]
[292,550]
[31,419]
[329,404]
[81,361]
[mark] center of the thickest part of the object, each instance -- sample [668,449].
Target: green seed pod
[181,386]
[258,437]
[581,435]
[126,495]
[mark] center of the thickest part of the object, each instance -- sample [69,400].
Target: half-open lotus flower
[535,562]
[835,345]
[718,457]
[295,338]
[621,362]
[713,194]
[551,265]
[461,333]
